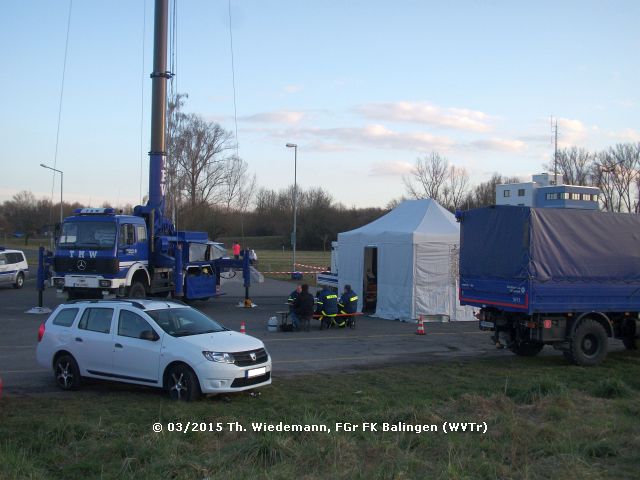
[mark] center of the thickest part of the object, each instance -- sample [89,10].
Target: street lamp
[295,200]
[61,179]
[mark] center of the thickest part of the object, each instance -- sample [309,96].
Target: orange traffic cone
[420,330]
[242,329]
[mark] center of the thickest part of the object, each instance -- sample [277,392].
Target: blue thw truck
[546,276]
[101,253]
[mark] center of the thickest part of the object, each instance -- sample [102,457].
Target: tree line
[615,170]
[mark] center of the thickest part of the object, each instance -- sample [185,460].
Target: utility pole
[295,203]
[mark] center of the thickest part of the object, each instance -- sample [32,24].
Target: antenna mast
[555,154]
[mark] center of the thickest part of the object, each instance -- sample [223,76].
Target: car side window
[3,259]
[65,317]
[96,320]
[131,324]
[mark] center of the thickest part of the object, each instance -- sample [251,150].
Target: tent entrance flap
[370,279]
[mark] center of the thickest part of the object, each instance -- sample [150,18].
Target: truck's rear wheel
[137,290]
[526,349]
[588,346]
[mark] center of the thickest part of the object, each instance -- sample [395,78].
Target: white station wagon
[164,344]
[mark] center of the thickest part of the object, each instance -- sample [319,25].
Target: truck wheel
[137,290]
[631,343]
[526,349]
[19,281]
[588,347]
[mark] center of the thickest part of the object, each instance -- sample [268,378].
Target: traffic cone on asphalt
[420,330]
[242,329]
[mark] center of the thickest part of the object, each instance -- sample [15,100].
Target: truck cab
[100,253]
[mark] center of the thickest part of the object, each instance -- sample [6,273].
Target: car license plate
[81,282]
[256,372]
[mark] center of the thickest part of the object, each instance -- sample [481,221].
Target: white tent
[411,255]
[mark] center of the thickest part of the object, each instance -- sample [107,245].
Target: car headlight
[219,357]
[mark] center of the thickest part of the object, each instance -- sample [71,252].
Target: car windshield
[180,322]
[95,235]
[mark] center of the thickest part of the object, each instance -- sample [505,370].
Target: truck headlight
[58,282]
[105,283]
[219,357]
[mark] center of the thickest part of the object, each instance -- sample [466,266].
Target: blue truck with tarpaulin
[546,276]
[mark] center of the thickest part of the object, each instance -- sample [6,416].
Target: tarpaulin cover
[544,244]
[584,245]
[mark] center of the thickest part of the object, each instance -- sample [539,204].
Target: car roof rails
[133,303]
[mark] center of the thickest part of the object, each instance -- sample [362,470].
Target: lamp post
[295,201]
[61,181]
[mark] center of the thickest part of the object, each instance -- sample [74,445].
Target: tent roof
[422,218]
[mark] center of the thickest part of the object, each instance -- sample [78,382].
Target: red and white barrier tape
[310,266]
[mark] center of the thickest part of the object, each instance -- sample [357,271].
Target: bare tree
[616,173]
[433,177]
[574,164]
[428,177]
[455,187]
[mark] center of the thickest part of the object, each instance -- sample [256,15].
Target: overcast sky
[363,87]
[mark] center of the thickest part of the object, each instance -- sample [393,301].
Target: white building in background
[543,192]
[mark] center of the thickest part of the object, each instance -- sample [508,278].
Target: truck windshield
[181,322]
[96,235]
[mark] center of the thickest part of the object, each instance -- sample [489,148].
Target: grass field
[279,261]
[544,419]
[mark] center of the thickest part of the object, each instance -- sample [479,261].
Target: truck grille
[243,359]
[91,265]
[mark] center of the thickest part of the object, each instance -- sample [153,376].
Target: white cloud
[427,114]
[392,168]
[292,88]
[281,116]
[571,132]
[499,144]
[627,135]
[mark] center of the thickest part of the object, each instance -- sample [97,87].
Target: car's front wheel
[183,384]
[66,372]
[19,281]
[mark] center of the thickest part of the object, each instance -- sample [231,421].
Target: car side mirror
[150,335]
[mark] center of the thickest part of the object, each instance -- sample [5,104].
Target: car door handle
[78,339]
[118,345]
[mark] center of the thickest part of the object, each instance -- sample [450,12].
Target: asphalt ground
[373,343]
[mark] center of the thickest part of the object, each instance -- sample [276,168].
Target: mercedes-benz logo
[82,264]
[253,356]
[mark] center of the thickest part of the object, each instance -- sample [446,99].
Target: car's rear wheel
[66,372]
[19,283]
[183,384]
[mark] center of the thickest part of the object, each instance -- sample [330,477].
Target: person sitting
[326,307]
[303,306]
[292,312]
[253,257]
[348,304]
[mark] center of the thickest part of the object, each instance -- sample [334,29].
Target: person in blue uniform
[347,304]
[326,307]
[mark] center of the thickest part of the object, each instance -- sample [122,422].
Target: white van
[14,268]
